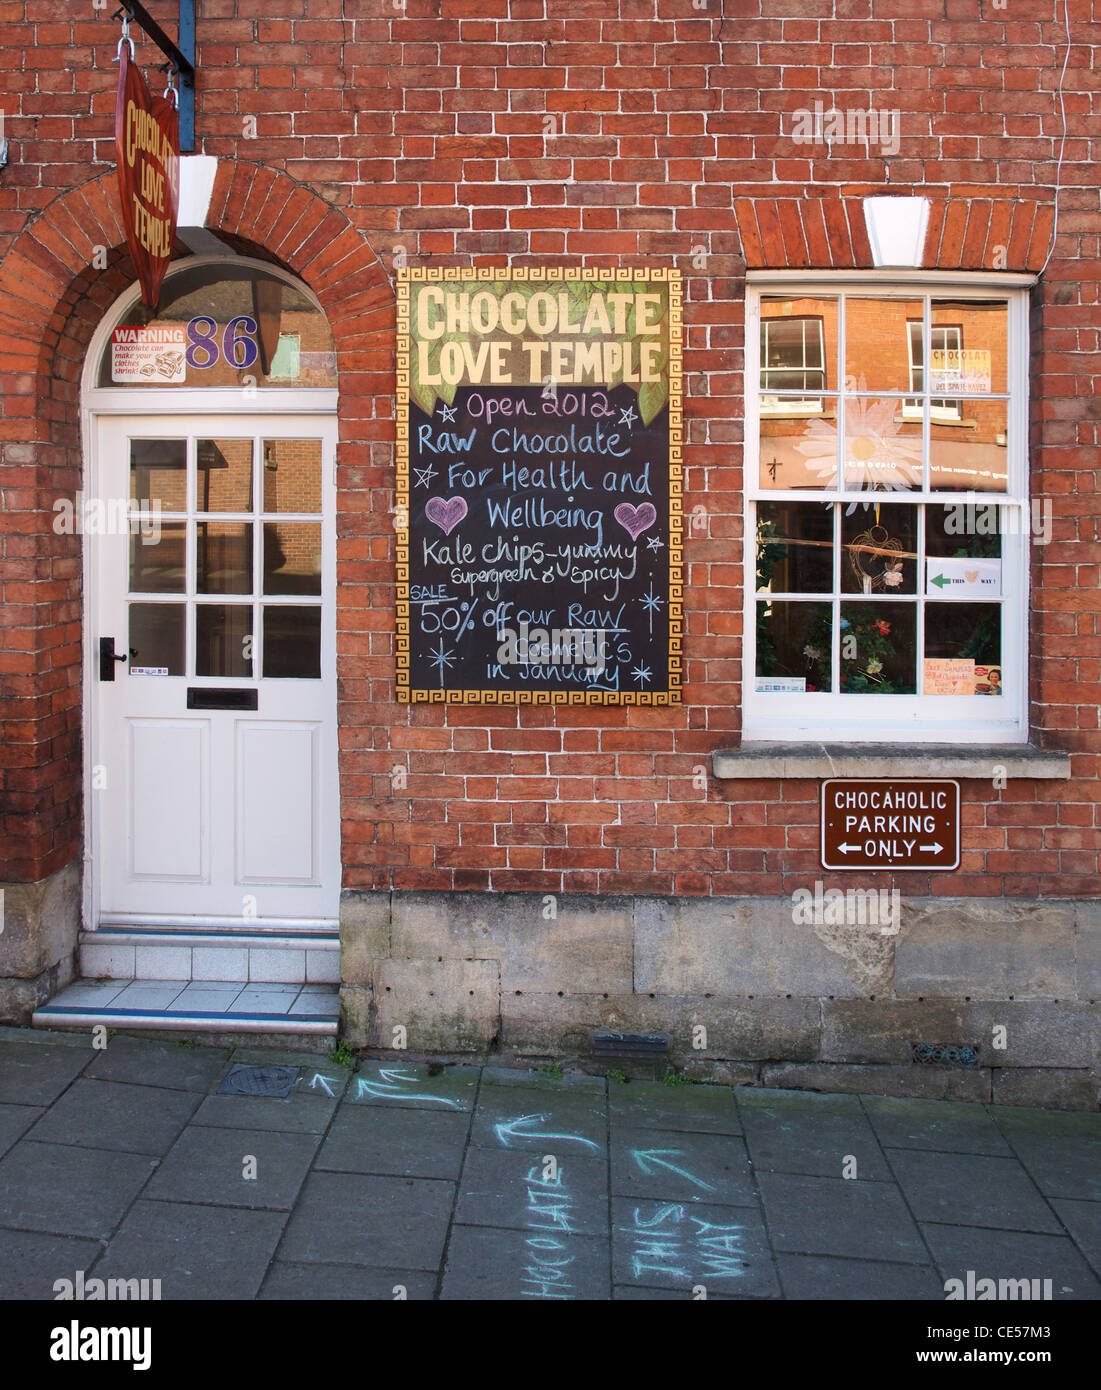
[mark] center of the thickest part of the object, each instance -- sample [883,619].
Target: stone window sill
[813,760]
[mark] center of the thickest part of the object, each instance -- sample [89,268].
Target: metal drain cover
[259,1081]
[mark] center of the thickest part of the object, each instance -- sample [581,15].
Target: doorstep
[190,954]
[223,1006]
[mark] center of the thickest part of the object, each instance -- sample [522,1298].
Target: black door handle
[107,658]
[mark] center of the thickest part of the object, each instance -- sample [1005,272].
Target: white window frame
[821,717]
[944,410]
[788,405]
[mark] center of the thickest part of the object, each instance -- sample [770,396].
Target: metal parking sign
[891,824]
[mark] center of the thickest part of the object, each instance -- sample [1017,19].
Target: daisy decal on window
[877,454]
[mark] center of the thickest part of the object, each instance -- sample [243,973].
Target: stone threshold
[813,760]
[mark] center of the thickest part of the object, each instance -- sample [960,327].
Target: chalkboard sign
[539,476]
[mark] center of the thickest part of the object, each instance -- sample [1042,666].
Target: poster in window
[539,472]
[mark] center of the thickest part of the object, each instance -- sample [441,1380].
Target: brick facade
[625,132]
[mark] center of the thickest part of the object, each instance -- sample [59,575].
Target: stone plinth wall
[826,1007]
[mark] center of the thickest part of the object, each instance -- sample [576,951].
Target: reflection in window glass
[292,557]
[158,560]
[223,639]
[877,343]
[880,550]
[794,645]
[975,360]
[972,456]
[878,648]
[224,468]
[157,636]
[292,641]
[794,548]
[798,349]
[800,452]
[158,474]
[223,559]
[292,475]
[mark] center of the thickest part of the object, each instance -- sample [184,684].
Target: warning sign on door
[156,355]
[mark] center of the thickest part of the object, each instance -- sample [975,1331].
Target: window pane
[292,641]
[963,649]
[224,469]
[798,344]
[292,557]
[222,325]
[224,558]
[800,451]
[882,449]
[292,475]
[878,648]
[794,547]
[963,530]
[970,456]
[223,639]
[158,474]
[878,343]
[157,636]
[980,342]
[157,562]
[794,647]
[880,550]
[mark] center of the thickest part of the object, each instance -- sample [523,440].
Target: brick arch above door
[831,233]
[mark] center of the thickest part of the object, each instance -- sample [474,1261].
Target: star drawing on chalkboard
[651,603]
[655,543]
[641,673]
[447,413]
[628,417]
[424,476]
[442,660]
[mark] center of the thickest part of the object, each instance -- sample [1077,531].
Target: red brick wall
[420,133]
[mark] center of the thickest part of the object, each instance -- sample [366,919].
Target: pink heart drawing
[970,575]
[635,520]
[446,515]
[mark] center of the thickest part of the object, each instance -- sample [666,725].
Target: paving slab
[971,1190]
[300,1113]
[677,1245]
[31,1074]
[1014,1255]
[31,1263]
[117,1115]
[514,1189]
[413,1087]
[944,1125]
[172,1065]
[800,1132]
[197,1252]
[820,1277]
[678,1167]
[409,1143]
[353,1283]
[838,1216]
[15,1120]
[522,1118]
[1065,1162]
[1083,1221]
[385,1222]
[485,1263]
[697,1109]
[58,1187]
[207,1165]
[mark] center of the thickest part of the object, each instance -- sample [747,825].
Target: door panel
[218,581]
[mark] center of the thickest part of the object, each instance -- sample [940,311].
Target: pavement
[423,1181]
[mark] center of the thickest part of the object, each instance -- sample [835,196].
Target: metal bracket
[182,58]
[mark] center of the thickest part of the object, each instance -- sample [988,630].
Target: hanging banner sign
[147,136]
[539,470]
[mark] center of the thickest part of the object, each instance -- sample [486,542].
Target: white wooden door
[213,760]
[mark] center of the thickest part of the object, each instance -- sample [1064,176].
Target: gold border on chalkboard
[408,694]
